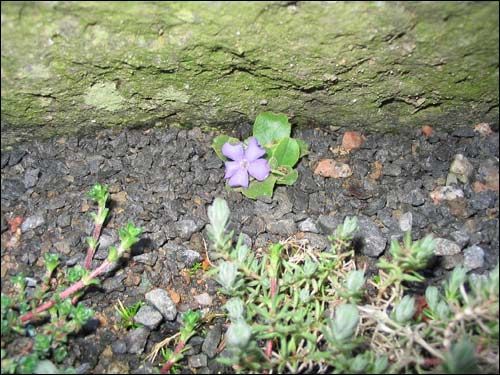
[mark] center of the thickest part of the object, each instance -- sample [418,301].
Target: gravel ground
[164,179]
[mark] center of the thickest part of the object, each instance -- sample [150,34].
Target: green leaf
[219,141]
[99,193]
[113,254]
[271,128]
[461,359]
[260,188]
[289,178]
[287,152]
[273,163]
[304,148]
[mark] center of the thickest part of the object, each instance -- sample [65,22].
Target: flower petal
[240,178]
[253,151]
[233,152]
[259,169]
[231,168]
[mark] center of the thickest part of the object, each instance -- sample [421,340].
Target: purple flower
[244,162]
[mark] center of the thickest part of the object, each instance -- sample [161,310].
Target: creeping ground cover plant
[294,308]
[37,322]
[263,160]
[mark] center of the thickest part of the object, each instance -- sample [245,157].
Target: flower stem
[174,358]
[67,293]
[91,250]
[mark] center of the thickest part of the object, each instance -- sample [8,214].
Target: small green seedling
[127,314]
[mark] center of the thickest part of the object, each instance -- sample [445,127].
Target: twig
[156,349]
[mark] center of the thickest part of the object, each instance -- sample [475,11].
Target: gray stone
[473,257]
[369,237]
[196,361]
[247,240]
[105,241]
[12,188]
[212,340]
[148,316]
[188,257]
[145,368]
[32,222]
[283,204]
[460,237]
[114,283]
[31,177]
[284,227]
[462,168]
[447,193]
[30,282]
[405,222]
[148,259]
[160,299]
[328,224]
[57,202]
[317,241]
[449,262]
[451,179]
[386,217]
[84,368]
[74,260]
[392,170]
[256,226]
[194,345]
[16,156]
[392,201]
[464,132]
[64,220]
[94,163]
[63,247]
[483,200]
[186,228]
[375,206]
[5,159]
[415,197]
[446,247]
[308,225]
[317,202]
[119,347]
[206,370]
[203,299]
[136,340]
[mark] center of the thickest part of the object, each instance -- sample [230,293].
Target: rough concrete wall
[71,66]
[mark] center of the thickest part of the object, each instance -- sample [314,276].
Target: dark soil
[163,181]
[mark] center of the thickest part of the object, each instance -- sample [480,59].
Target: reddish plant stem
[90,251]
[66,293]
[273,291]
[171,362]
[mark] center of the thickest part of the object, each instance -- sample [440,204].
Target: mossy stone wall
[79,66]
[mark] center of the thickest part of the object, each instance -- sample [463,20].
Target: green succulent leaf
[345,322]
[51,261]
[270,128]
[113,254]
[99,193]
[461,359]
[405,310]
[129,235]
